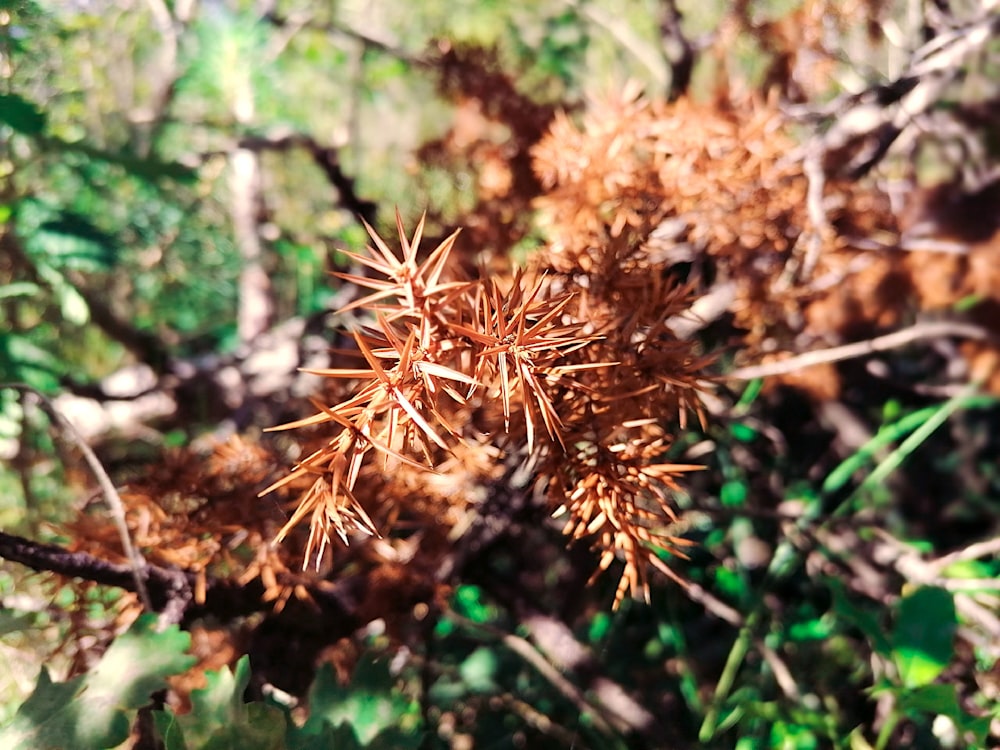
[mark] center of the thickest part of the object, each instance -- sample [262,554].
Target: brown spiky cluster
[580,378]
[493,129]
[633,166]
[720,188]
[191,512]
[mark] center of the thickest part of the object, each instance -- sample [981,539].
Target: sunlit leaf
[923,639]
[220,719]
[942,700]
[72,305]
[95,710]
[370,705]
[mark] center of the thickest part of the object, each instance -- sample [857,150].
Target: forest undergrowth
[663,413]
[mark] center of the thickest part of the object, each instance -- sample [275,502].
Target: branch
[279,21]
[327,158]
[894,340]
[170,20]
[171,589]
[677,48]
[863,134]
[237,386]
[526,651]
[160,585]
[569,665]
[137,565]
[147,347]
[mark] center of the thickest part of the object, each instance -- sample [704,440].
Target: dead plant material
[579,378]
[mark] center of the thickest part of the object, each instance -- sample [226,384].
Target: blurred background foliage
[123,244]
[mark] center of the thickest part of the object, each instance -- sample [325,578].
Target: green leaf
[47,718]
[72,305]
[328,738]
[95,710]
[469,603]
[753,389]
[817,629]
[21,115]
[923,640]
[370,706]
[15,622]
[79,242]
[219,719]
[600,626]
[932,699]
[730,583]
[943,700]
[857,617]
[888,434]
[973,569]
[733,493]
[70,241]
[21,360]
[148,168]
[743,433]
[478,670]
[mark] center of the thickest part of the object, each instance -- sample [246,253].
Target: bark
[256,306]
[234,390]
[677,48]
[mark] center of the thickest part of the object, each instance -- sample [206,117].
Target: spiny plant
[577,375]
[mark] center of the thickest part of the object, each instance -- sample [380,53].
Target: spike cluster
[552,380]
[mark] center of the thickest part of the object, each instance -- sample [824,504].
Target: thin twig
[556,641]
[972,552]
[713,605]
[902,337]
[625,36]
[369,42]
[111,496]
[914,568]
[782,674]
[327,158]
[538,720]
[928,572]
[526,651]
[821,228]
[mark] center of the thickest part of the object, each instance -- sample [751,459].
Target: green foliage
[470,602]
[368,713]
[105,192]
[22,361]
[21,115]
[942,700]
[95,710]
[220,719]
[896,428]
[922,642]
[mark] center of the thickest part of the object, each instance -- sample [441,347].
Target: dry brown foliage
[546,368]
[493,129]
[570,367]
[699,183]
[194,510]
